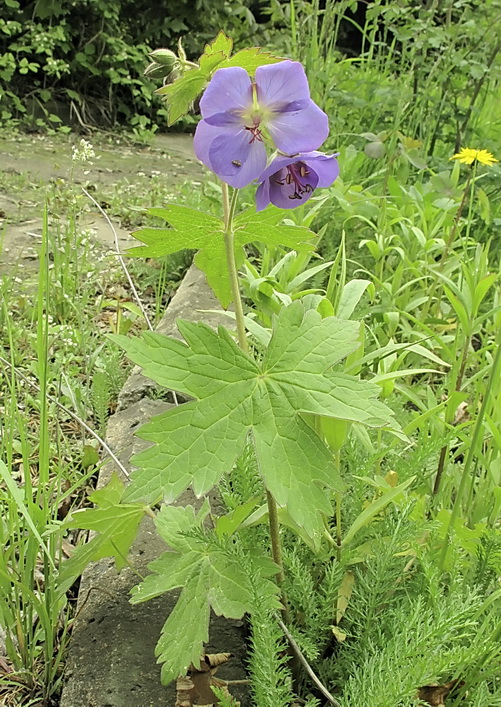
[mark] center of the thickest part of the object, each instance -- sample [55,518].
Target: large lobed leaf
[197,230]
[236,395]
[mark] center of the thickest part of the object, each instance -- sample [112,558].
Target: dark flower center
[296,175]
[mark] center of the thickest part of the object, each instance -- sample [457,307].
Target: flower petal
[277,164]
[229,89]
[299,131]
[289,194]
[325,166]
[204,135]
[235,158]
[263,195]
[281,83]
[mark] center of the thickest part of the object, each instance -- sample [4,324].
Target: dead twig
[297,651]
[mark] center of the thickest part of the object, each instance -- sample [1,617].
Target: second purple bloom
[290,181]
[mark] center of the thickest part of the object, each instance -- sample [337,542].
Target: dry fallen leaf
[195,688]
[435,695]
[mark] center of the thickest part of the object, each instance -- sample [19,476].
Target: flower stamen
[256,134]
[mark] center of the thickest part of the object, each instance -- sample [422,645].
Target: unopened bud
[164,57]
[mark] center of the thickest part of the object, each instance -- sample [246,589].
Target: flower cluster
[84,153]
[240,118]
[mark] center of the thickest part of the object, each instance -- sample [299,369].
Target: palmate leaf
[235,395]
[117,524]
[211,577]
[196,230]
[181,93]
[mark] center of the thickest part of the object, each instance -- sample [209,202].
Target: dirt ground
[32,167]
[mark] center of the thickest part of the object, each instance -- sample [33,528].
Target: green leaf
[250,59]
[211,577]
[350,297]
[373,509]
[264,227]
[226,525]
[181,94]
[197,230]
[117,524]
[234,395]
[222,44]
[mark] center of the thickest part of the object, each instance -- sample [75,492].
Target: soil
[32,165]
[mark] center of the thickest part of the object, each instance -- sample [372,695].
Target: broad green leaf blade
[199,441]
[170,571]
[186,629]
[341,396]
[212,261]
[249,59]
[181,94]
[222,43]
[173,522]
[304,342]
[265,227]
[350,297]
[117,526]
[210,362]
[195,444]
[190,229]
[229,593]
[295,464]
[226,525]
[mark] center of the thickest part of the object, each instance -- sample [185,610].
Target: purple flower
[230,138]
[290,181]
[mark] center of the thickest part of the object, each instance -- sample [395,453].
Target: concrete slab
[111,660]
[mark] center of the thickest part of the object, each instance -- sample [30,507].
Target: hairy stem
[229,241]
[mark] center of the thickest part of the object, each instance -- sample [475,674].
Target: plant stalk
[229,241]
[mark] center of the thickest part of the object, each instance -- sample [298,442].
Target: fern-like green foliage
[236,394]
[271,680]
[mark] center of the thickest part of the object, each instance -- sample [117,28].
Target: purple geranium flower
[235,111]
[290,181]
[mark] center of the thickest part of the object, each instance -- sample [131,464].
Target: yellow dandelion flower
[466,155]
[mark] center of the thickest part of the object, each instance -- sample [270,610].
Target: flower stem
[229,242]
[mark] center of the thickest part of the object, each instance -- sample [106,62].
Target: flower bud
[164,57]
[156,71]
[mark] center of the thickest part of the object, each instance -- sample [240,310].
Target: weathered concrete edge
[111,656]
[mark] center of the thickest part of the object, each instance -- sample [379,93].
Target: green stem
[276,550]
[229,242]
[495,373]
[449,414]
